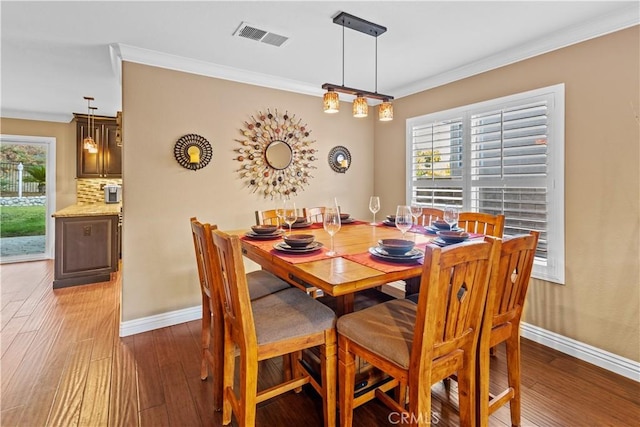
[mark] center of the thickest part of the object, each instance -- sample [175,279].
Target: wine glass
[450,216]
[280,214]
[404,219]
[290,214]
[374,206]
[416,211]
[331,224]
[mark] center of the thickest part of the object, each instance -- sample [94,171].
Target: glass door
[27,197]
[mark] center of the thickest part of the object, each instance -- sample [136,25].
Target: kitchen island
[86,246]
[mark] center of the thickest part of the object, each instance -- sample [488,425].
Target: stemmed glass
[290,214]
[331,224]
[374,206]
[404,219]
[451,216]
[416,211]
[280,214]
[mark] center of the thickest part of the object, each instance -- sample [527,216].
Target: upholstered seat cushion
[288,314]
[384,329]
[263,283]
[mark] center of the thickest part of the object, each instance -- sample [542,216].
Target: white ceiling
[54,53]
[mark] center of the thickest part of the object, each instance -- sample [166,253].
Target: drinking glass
[374,206]
[450,216]
[404,219]
[416,211]
[280,213]
[290,214]
[331,224]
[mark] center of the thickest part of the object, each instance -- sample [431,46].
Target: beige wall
[160,106]
[65,134]
[599,305]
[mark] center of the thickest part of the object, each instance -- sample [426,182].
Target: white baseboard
[609,361]
[602,358]
[137,326]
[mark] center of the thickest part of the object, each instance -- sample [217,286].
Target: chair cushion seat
[289,313]
[262,283]
[384,329]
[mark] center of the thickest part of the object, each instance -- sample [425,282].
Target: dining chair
[502,324]
[260,283]
[482,223]
[314,214]
[269,217]
[430,214]
[280,324]
[420,344]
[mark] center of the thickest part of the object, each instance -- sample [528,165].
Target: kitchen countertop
[89,209]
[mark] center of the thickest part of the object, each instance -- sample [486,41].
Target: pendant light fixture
[89,143]
[331,101]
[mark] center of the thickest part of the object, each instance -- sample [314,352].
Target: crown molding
[35,115]
[622,18]
[178,63]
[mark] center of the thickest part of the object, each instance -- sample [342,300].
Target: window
[504,156]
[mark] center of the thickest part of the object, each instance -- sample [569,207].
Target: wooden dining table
[352,269]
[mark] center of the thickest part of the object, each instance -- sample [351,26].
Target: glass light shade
[360,107]
[385,111]
[88,143]
[331,102]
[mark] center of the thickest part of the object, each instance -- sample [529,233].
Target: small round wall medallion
[339,159]
[193,152]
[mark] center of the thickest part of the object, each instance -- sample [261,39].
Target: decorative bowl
[453,236]
[391,218]
[441,225]
[344,216]
[300,219]
[264,229]
[395,246]
[299,240]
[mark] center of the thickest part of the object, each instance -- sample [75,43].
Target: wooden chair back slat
[482,223]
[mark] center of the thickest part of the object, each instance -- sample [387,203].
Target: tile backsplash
[91,190]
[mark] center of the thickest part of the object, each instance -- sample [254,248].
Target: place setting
[298,244]
[264,232]
[396,251]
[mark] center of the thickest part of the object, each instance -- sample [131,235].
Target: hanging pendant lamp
[89,143]
[331,101]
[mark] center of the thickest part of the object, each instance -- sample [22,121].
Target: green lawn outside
[22,221]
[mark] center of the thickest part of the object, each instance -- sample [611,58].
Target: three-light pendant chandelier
[331,100]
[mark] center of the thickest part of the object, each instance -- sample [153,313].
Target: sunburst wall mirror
[276,154]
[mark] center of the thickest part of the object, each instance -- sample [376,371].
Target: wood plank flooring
[63,364]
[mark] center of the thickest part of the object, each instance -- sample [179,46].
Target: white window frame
[553,269]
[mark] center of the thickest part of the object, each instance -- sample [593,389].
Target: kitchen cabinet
[107,162]
[86,246]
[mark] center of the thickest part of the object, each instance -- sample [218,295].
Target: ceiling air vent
[249,31]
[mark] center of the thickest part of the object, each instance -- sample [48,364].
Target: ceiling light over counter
[331,101]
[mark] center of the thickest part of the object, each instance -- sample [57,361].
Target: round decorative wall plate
[339,159]
[276,154]
[193,152]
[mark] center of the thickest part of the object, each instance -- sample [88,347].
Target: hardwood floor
[64,364]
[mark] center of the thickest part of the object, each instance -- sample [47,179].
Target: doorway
[27,197]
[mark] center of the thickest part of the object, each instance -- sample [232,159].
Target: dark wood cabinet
[86,249]
[107,162]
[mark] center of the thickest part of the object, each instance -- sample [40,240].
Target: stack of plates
[283,247]
[433,230]
[301,224]
[264,236]
[412,256]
